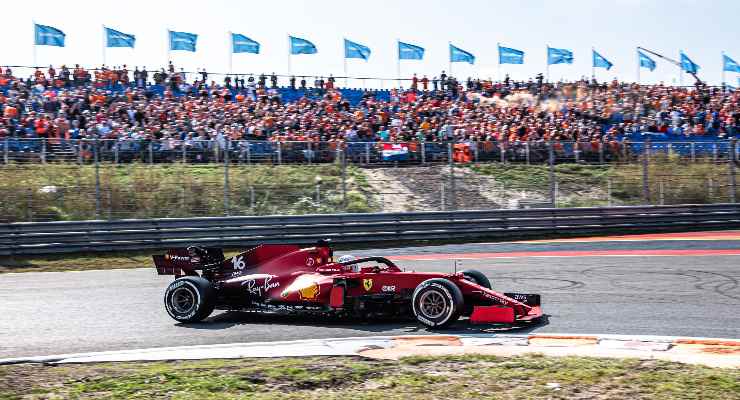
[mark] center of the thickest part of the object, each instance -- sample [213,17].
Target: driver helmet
[349,257]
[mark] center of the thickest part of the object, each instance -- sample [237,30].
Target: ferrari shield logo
[367,284]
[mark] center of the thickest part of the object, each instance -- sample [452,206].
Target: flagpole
[104,43]
[231,52]
[637,53]
[449,63]
[169,46]
[723,68]
[289,69]
[547,62]
[398,61]
[498,68]
[593,68]
[344,43]
[680,69]
[34,43]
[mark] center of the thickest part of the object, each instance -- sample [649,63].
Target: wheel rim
[432,304]
[183,300]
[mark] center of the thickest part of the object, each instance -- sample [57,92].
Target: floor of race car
[695,292]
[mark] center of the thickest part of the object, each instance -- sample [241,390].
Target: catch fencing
[92,236]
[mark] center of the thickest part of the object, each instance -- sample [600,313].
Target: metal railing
[95,236]
[120,151]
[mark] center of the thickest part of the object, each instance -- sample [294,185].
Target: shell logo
[310,292]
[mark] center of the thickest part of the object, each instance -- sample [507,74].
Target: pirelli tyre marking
[434,301]
[182,300]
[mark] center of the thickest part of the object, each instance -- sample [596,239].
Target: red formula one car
[287,278]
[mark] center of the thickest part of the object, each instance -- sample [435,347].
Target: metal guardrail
[96,236]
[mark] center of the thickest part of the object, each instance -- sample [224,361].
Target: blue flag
[728,64]
[243,44]
[459,55]
[114,38]
[48,36]
[302,46]
[507,55]
[559,56]
[687,65]
[355,50]
[183,41]
[409,51]
[600,61]
[645,61]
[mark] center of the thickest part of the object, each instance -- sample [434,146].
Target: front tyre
[476,277]
[437,303]
[189,299]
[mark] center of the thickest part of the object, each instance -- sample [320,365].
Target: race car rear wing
[185,261]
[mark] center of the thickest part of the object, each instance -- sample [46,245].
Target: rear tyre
[190,299]
[477,277]
[437,303]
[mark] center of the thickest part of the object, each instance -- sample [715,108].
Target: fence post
[645,176]
[453,192]
[551,173]
[577,151]
[115,152]
[693,152]
[661,193]
[367,153]
[423,152]
[526,150]
[29,205]
[43,151]
[733,160]
[475,151]
[442,202]
[79,151]
[715,151]
[501,151]
[309,153]
[249,154]
[151,152]
[184,153]
[279,152]
[601,152]
[227,188]
[6,150]
[343,155]
[96,151]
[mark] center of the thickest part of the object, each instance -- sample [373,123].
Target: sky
[702,28]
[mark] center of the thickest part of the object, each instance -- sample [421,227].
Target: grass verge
[456,377]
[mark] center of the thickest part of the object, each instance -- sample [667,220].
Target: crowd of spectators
[164,105]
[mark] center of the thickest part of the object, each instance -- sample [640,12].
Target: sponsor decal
[386,288]
[310,292]
[238,262]
[305,286]
[367,283]
[310,261]
[257,288]
[176,258]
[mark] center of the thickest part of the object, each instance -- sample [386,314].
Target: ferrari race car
[290,279]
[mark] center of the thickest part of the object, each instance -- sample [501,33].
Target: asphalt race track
[682,285]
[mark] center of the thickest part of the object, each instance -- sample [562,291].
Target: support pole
[551,174]
[637,53]
[290,71]
[227,186]
[645,175]
[453,192]
[105,43]
[733,179]
[96,151]
[231,52]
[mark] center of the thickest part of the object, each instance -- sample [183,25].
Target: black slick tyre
[437,303]
[477,277]
[189,299]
